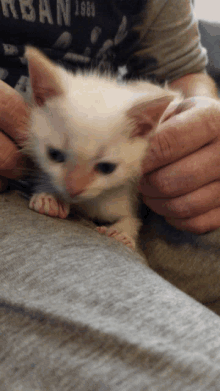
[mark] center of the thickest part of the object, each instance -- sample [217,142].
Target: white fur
[90,118]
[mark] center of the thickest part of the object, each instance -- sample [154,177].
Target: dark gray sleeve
[169,33]
[79,311]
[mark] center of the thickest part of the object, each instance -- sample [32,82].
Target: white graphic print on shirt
[76,33]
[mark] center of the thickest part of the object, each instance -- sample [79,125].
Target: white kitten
[89,135]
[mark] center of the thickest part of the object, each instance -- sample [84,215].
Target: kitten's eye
[105,168]
[56,155]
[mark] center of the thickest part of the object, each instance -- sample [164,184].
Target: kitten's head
[88,133]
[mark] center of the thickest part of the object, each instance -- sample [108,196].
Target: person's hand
[182,167]
[14,115]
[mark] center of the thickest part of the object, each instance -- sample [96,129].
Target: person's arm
[169,34]
[182,167]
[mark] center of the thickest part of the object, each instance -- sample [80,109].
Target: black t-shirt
[77,33]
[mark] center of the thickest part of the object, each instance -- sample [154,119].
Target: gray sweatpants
[79,311]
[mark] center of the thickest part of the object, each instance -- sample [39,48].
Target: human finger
[182,135]
[11,158]
[184,176]
[190,205]
[201,224]
[14,113]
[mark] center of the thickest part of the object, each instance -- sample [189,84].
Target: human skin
[182,168]
[14,115]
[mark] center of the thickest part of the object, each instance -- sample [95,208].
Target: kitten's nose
[78,180]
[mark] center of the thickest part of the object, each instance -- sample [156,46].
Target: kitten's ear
[44,76]
[146,115]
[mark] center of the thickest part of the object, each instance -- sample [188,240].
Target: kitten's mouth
[75,194]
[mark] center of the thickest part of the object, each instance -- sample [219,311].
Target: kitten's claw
[48,205]
[119,236]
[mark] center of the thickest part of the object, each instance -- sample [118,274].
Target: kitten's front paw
[119,236]
[48,205]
